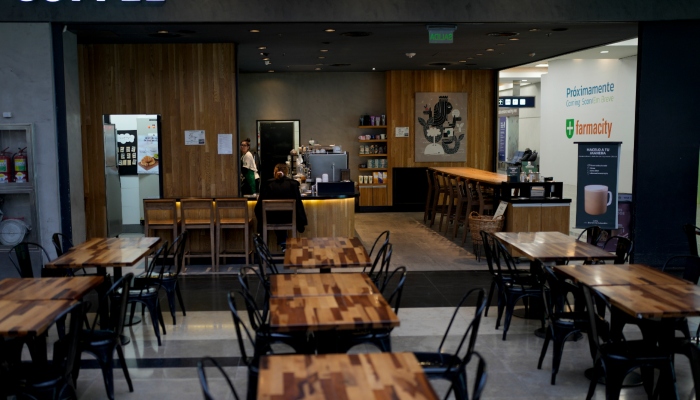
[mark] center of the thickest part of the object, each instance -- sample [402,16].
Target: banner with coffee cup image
[598,174]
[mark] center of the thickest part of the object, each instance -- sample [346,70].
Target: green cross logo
[569,128]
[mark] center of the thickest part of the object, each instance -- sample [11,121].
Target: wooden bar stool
[448,201]
[199,214]
[279,205]
[233,214]
[428,197]
[438,189]
[160,215]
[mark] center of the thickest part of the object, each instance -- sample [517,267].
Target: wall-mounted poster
[441,121]
[598,170]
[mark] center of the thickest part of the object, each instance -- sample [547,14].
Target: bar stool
[428,197]
[279,205]
[448,202]
[160,215]
[199,214]
[438,189]
[233,214]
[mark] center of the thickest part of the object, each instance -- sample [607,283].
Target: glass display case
[18,212]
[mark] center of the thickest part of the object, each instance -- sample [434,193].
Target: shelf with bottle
[371,127]
[373,141]
[373,169]
[370,155]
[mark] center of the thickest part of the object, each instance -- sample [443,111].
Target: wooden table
[323,313]
[29,317]
[654,301]
[106,252]
[473,174]
[73,288]
[552,246]
[303,285]
[618,274]
[343,376]
[325,253]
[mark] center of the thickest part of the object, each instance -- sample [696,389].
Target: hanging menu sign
[598,171]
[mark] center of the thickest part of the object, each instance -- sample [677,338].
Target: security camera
[410,55]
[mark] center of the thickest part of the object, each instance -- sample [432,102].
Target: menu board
[598,170]
[126,152]
[148,159]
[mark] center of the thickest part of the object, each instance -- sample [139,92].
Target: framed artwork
[441,121]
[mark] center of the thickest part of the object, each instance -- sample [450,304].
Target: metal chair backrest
[60,242]
[24,261]
[394,297]
[203,378]
[488,244]
[593,234]
[384,234]
[117,299]
[66,350]
[242,332]
[623,248]
[257,318]
[685,266]
[265,259]
[598,329]
[156,268]
[473,328]
[383,259]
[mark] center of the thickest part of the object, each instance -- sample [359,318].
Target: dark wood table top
[654,301]
[73,288]
[555,249]
[325,253]
[534,237]
[370,376]
[319,313]
[618,274]
[29,317]
[473,174]
[106,252]
[336,284]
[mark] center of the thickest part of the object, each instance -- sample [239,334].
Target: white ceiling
[532,74]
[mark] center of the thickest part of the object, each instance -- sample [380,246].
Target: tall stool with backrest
[199,214]
[233,214]
[448,203]
[438,189]
[428,198]
[160,215]
[277,206]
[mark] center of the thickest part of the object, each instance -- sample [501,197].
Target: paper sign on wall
[194,138]
[401,131]
[225,143]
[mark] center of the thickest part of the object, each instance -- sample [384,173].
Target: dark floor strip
[164,363]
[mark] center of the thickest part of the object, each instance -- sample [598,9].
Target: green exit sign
[441,34]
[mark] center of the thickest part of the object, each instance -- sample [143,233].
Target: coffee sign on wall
[598,170]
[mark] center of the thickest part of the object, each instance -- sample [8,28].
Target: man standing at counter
[251,178]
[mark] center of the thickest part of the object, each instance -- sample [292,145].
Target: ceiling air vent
[502,34]
[356,34]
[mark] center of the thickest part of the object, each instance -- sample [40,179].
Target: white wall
[559,153]
[529,118]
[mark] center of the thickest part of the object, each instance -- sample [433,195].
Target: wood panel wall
[480,87]
[192,86]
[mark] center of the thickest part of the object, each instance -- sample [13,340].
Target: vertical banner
[598,171]
[148,159]
[502,138]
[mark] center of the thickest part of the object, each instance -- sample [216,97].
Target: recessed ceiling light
[444,69]
[534,30]
[322,57]
[329,30]
[514,39]
[266,59]
[523,80]
[162,32]
[462,61]
[489,49]
[604,52]
[542,65]
[262,48]
[271,70]
[479,54]
[470,58]
[254,31]
[318,69]
[324,51]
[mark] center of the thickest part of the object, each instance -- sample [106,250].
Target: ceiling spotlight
[514,39]
[270,70]
[462,61]
[444,69]
[542,65]
[470,58]
[324,51]
[604,52]
[410,55]
[373,68]
[489,49]
[322,57]
[531,54]
[266,59]
[479,54]
[317,69]
[534,30]
[262,48]
[162,32]
[254,31]
[329,30]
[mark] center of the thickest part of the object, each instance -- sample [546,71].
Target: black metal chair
[593,235]
[55,380]
[516,284]
[23,262]
[60,242]
[147,291]
[691,233]
[264,337]
[203,378]
[688,268]
[479,379]
[391,290]
[103,341]
[384,235]
[383,261]
[496,277]
[171,273]
[623,248]
[564,321]
[616,357]
[452,367]
[266,262]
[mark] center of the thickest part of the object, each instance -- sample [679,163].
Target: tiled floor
[440,273]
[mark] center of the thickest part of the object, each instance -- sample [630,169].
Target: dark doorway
[275,140]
